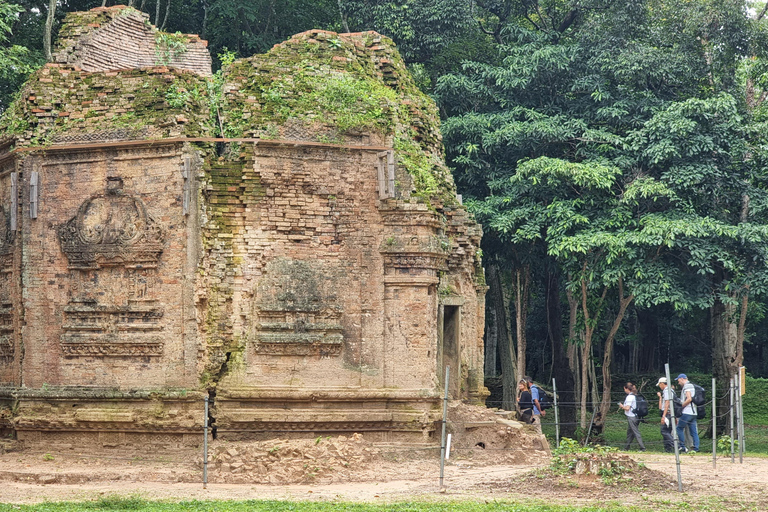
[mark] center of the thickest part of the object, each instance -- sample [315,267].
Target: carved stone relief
[7,238]
[112,229]
[92,329]
[298,311]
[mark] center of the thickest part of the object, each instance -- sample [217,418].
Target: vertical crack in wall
[223,369]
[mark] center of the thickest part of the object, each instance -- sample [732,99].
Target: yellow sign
[743,379]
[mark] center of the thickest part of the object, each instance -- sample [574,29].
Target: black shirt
[525,401]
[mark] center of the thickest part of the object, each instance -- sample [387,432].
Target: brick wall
[310,278]
[119,37]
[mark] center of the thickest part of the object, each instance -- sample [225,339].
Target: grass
[615,434]
[137,503]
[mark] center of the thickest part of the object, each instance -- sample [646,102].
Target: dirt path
[33,478]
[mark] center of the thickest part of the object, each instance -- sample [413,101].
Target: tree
[16,61]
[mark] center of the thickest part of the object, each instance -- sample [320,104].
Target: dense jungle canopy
[616,152]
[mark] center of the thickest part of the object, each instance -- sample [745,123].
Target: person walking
[524,402]
[688,418]
[665,400]
[630,402]
[538,410]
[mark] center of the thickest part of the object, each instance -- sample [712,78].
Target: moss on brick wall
[329,87]
[61,104]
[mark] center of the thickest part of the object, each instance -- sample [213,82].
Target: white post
[445,412]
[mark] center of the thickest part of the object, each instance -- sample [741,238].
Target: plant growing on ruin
[169,47]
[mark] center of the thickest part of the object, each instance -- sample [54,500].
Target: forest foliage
[615,151]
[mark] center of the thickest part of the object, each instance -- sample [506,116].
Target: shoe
[683,450]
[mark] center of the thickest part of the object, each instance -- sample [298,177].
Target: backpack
[700,401]
[699,395]
[543,398]
[641,406]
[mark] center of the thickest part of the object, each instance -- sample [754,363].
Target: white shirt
[632,403]
[690,408]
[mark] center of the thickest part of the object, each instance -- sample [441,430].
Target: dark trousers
[633,432]
[669,440]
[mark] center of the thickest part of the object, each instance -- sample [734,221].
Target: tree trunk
[726,353]
[491,340]
[49,30]
[506,347]
[586,350]
[157,13]
[522,281]
[343,18]
[560,367]
[167,11]
[624,303]
[573,347]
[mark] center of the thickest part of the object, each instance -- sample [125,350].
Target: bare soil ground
[351,469]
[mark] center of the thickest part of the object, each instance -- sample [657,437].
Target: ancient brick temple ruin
[283,236]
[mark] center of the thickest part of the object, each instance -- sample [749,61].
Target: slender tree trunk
[560,367]
[48,30]
[491,340]
[343,17]
[573,347]
[103,3]
[586,350]
[624,303]
[167,11]
[157,13]
[522,277]
[506,347]
[593,380]
[204,30]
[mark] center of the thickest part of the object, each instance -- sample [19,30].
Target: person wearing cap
[665,398]
[688,418]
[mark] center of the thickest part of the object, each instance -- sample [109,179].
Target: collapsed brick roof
[318,86]
[120,37]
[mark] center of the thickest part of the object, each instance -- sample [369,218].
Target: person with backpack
[665,399]
[538,408]
[688,417]
[633,420]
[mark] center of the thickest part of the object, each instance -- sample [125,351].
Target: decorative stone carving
[415,255]
[91,329]
[6,327]
[298,311]
[112,229]
[7,238]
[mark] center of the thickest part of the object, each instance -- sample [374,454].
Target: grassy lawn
[279,506]
[615,434]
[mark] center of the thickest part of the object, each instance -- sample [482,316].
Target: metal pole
[742,444]
[205,446]
[442,442]
[714,424]
[731,413]
[557,416]
[674,430]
